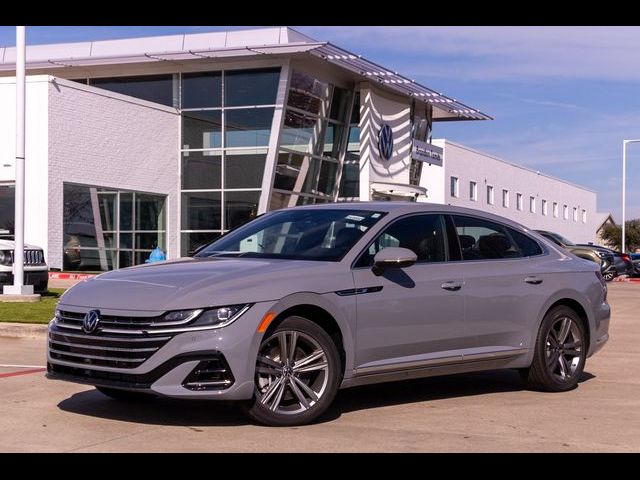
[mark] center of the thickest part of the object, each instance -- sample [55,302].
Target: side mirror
[393,257]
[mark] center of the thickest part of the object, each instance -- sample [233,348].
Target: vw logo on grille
[385,141]
[91,321]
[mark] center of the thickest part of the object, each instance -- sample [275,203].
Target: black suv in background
[622,262]
[594,253]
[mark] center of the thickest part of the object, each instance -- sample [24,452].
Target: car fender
[343,312]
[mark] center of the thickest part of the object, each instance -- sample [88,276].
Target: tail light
[626,257]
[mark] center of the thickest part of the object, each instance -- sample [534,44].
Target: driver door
[413,316]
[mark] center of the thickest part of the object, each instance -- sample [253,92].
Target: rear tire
[560,352]
[298,372]
[609,276]
[124,395]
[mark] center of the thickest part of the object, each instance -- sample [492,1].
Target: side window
[482,239]
[423,234]
[527,245]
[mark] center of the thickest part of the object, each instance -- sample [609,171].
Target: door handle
[452,286]
[533,280]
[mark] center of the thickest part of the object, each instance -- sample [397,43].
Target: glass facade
[104,229]
[350,178]
[154,88]
[226,126]
[7,209]
[313,137]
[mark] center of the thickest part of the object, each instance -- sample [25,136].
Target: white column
[18,287]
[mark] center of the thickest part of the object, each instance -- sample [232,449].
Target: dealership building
[170,141]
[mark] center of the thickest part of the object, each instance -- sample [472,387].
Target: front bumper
[169,370]
[39,279]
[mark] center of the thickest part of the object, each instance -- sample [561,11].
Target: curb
[22,330]
[626,279]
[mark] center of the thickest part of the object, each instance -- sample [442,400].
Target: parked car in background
[621,261]
[588,252]
[36,272]
[282,312]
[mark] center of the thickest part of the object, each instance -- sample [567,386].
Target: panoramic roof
[237,43]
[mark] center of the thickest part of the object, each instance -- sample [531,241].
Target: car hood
[204,282]
[10,245]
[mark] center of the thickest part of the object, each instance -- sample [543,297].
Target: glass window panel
[251,87]
[355,113]
[332,140]
[201,170]
[300,132]
[249,127]
[78,219]
[282,200]
[190,241]
[240,207]
[92,260]
[244,169]
[154,88]
[149,241]
[107,202]
[126,259]
[528,246]
[149,212]
[327,178]
[340,104]
[126,240]
[126,211]
[296,172]
[353,144]
[308,93]
[202,129]
[202,90]
[140,257]
[7,209]
[482,239]
[350,181]
[201,211]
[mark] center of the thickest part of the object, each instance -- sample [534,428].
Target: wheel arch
[574,302]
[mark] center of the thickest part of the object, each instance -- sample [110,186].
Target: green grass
[38,312]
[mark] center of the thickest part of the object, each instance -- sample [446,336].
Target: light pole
[624,188]
[18,287]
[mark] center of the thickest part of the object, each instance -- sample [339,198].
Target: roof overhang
[237,44]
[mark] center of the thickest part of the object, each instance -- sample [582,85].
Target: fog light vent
[213,374]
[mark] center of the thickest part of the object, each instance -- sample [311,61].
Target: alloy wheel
[564,349]
[292,372]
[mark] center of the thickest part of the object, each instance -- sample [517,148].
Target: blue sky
[563,98]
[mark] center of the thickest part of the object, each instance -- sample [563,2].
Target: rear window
[527,245]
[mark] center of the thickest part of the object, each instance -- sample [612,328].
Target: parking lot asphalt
[479,412]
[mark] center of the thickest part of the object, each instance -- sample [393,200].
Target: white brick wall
[106,139]
[470,165]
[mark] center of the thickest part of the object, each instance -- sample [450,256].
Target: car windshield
[306,234]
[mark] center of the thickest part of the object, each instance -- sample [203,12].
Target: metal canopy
[450,108]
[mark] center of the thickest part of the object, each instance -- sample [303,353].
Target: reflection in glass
[107,203]
[300,132]
[7,209]
[149,212]
[249,127]
[126,211]
[190,241]
[154,88]
[333,140]
[202,90]
[201,170]
[308,93]
[201,211]
[201,129]
[350,180]
[244,169]
[327,178]
[251,87]
[240,207]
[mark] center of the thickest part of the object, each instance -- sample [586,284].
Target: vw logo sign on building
[91,321]
[385,141]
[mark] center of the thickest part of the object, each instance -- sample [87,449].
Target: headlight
[212,317]
[5,257]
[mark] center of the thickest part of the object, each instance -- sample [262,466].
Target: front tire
[609,276]
[560,352]
[297,374]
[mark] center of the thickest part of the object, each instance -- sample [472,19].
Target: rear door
[503,291]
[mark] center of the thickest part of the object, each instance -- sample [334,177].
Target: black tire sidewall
[550,318]
[263,415]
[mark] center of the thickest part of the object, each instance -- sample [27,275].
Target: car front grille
[32,258]
[111,323]
[100,349]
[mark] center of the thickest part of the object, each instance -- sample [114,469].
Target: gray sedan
[284,311]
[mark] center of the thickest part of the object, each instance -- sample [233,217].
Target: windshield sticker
[355,218]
